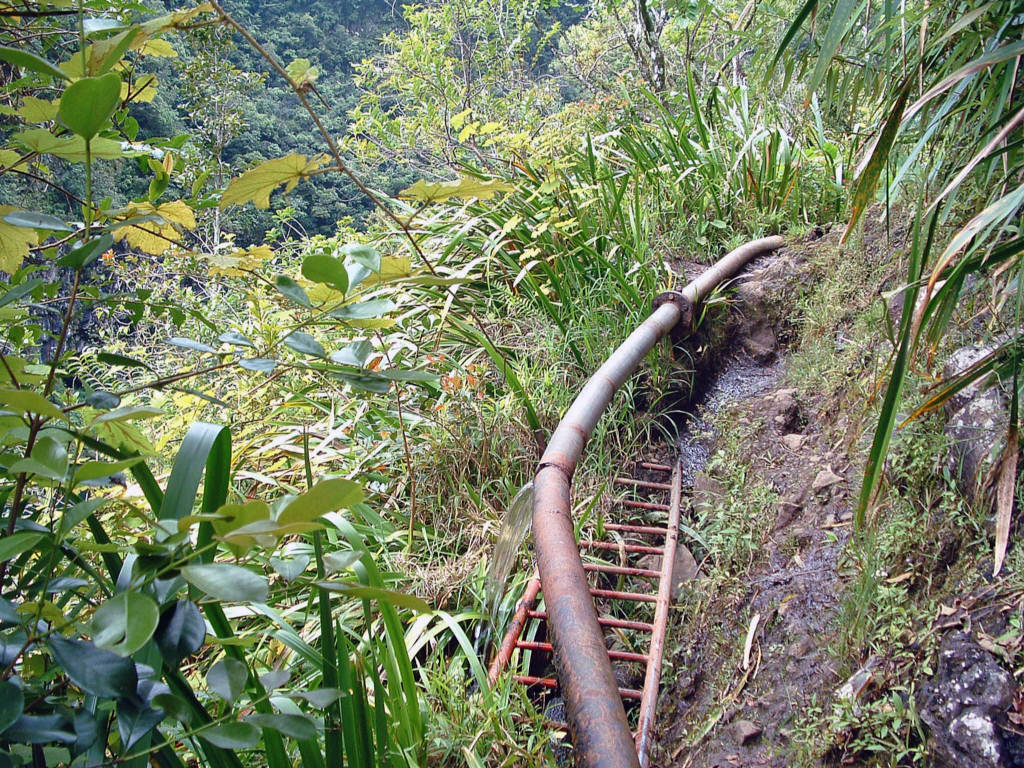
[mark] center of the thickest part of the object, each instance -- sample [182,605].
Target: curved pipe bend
[596,716]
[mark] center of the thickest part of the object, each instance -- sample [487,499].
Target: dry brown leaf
[1004,497]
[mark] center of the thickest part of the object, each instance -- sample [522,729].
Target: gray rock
[963,704]
[743,731]
[977,433]
[684,568]
[958,362]
[825,479]
[760,342]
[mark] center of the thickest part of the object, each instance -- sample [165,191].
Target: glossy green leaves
[125,622]
[87,104]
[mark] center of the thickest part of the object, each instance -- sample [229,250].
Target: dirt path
[747,655]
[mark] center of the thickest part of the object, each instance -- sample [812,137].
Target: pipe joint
[680,299]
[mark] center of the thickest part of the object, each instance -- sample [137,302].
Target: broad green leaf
[232,736]
[35,220]
[256,185]
[23,401]
[260,364]
[180,632]
[14,241]
[363,592]
[354,354]
[230,517]
[264,533]
[292,290]
[339,561]
[465,187]
[86,253]
[321,268]
[363,254]
[227,679]
[304,344]
[40,729]
[294,726]
[87,104]
[26,60]
[15,293]
[365,309]
[12,704]
[198,346]
[35,110]
[135,719]
[94,670]
[275,678]
[174,707]
[15,544]
[230,583]
[104,401]
[94,470]
[127,414]
[321,698]
[235,339]
[49,459]
[290,568]
[326,496]
[302,73]
[70,148]
[125,622]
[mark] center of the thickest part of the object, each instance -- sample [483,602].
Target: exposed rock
[896,304]
[760,343]
[977,433]
[684,569]
[801,647]
[793,441]
[782,410]
[959,361]
[825,479]
[963,706]
[743,731]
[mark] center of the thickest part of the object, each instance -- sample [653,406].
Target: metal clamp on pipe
[596,716]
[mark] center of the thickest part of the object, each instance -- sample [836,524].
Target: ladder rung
[550,682]
[655,467]
[652,529]
[643,484]
[613,545]
[605,621]
[532,645]
[644,505]
[621,570]
[614,594]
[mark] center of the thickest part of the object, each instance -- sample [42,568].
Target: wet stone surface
[964,706]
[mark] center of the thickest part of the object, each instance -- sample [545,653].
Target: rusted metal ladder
[634,540]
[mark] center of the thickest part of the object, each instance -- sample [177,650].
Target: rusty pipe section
[596,716]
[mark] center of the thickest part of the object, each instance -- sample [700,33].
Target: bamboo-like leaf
[979,156]
[865,192]
[846,11]
[798,21]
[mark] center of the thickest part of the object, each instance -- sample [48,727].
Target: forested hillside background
[294,291]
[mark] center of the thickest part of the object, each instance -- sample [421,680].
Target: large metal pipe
[596,716]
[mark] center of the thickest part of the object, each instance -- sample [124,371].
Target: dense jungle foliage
[293,291]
